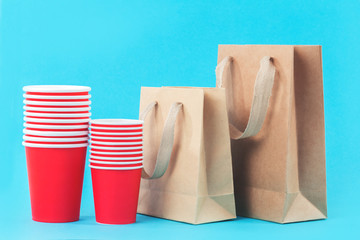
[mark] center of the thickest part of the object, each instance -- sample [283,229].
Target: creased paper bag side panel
[310,129]
[216,167]
[218,162]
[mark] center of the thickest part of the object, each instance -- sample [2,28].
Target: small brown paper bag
[279,171]
[187,147]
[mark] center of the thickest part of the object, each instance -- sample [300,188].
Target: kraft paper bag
[279,159]
[187,149]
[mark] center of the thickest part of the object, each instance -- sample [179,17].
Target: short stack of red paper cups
[116,163]
[56,139]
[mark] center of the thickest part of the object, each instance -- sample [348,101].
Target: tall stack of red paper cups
[56,139]
[116,163]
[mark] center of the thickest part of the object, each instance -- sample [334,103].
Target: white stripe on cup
[39,145]
[47,109]
[116,158]
[116,153]
[115,168]
[114,133]
[48,133]
[53,115]
[56,89]
[39,126]
[115,148]
[115,163]
[57,96]
[117,143]
[116,128]
[117,121]
[44,103]
[44,139]
[47,120]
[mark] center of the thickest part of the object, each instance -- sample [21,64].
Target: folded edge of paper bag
[199,210]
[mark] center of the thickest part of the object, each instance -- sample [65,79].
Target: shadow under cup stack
[56,139]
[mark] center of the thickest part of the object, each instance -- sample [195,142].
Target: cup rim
[114,133]
[115,148]
[117,138]
[116,158]
[39,126]
[45,139]
[56,88]
[43,120]
[116,121]
[26,113]
[116,153]
[115,168]
[116,128]
[44,103]
[46,109]
[40,145]
[49,133]
[56,96]
[116,143]
[116,163]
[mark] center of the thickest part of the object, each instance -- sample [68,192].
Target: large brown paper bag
[279,171]
[187,147]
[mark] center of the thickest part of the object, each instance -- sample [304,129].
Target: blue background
[118,46]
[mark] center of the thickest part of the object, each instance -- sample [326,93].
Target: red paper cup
[116,194]
[55,181]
